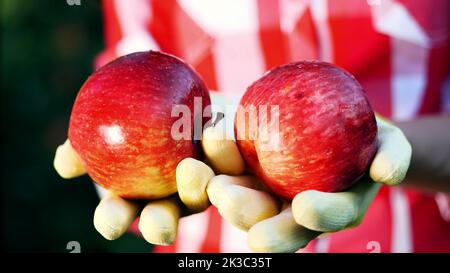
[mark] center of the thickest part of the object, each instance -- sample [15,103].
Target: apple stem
[219,117]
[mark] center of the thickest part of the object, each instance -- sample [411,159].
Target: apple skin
[327,129]
[121,123]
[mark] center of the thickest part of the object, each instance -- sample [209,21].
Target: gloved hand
[243,202]
[158,218]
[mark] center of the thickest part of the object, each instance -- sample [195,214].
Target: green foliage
[47,51]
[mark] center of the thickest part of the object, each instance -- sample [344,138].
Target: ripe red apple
[121,123]
[325,135]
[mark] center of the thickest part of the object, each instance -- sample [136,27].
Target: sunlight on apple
[112,134]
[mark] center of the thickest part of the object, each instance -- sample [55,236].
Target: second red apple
[325,135]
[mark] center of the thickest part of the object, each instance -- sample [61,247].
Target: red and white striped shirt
[397,49]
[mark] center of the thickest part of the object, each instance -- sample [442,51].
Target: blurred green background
[47,51]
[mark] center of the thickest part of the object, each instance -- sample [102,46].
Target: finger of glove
[393,157]
[67,162]
[239,202]
[192,178]
[221,151]
[114,215]
[159,221]
[279,233]
[329,212]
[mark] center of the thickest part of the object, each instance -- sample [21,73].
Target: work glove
[274,225]
[158,221]
[158,218]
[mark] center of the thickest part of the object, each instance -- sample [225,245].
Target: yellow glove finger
[239,201]
[279,233]
[192,178]
[114,215]
[334,211]
[67,162]
[159,221]
[393,157]
[222,152]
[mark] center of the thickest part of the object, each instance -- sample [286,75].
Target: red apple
[121,123]
[325,135]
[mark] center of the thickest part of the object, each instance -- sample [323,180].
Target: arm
[430,141]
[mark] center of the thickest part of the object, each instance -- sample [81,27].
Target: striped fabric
[398,50]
